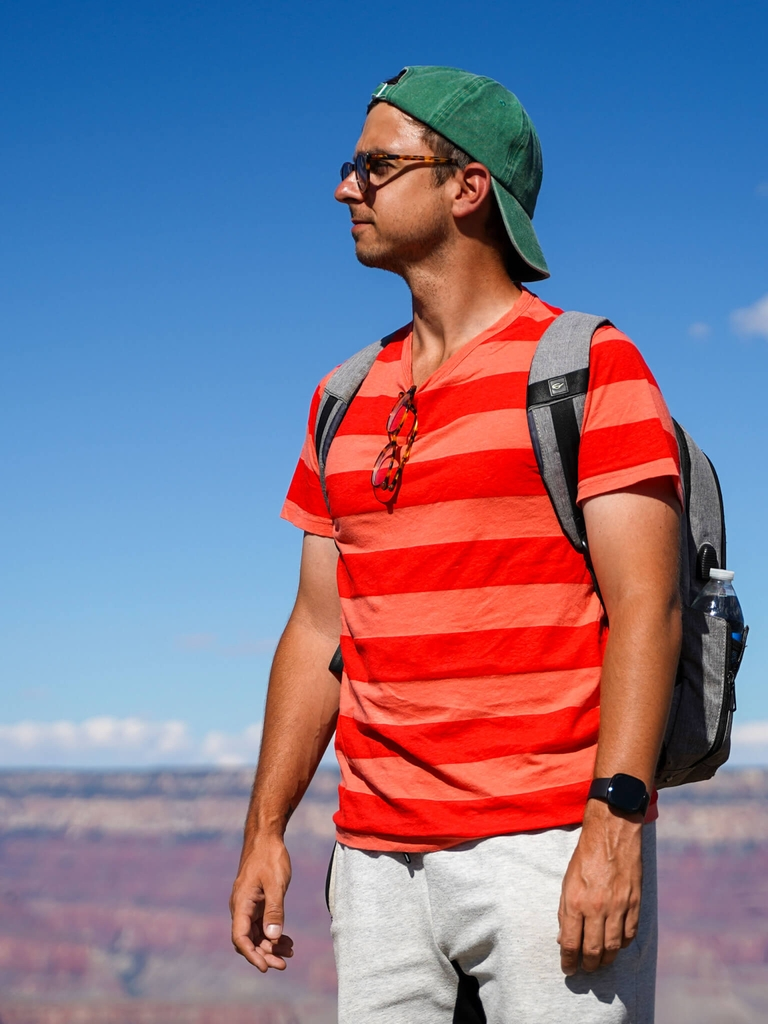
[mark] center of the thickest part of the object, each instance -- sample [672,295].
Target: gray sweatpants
[402,931]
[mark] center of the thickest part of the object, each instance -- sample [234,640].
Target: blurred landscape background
[114,888]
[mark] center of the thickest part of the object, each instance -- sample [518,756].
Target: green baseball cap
[488,122]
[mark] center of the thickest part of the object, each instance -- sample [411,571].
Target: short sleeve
[305,505]
[627,434]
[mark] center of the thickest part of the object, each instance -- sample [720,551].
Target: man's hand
[634,542]
[256,905]
[299,719]
[600,901]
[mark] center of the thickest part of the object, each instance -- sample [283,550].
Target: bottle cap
[726,575]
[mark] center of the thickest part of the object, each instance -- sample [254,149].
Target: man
[482,689]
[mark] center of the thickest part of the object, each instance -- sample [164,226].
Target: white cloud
[227,748]
[749,743]
[752,319]
[762,189]
[196,641]
[699,330]
[135,742]
[209,643]
[106,741]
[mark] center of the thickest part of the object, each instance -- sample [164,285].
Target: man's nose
[348,191]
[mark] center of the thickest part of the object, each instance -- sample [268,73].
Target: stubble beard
[402,254]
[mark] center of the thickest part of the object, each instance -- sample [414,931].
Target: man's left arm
[634,538]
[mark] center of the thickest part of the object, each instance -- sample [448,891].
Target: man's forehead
[386,127]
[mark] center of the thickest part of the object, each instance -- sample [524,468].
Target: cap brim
[521,234]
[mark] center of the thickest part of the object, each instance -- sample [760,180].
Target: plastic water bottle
[719,598]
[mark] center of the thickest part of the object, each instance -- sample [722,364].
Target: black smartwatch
[624,793]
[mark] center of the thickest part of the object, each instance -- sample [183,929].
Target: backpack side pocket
[698,735]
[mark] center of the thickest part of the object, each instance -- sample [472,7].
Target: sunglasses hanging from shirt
[388,468]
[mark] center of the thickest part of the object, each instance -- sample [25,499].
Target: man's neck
[452,305]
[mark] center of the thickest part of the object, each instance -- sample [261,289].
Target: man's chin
[372,257]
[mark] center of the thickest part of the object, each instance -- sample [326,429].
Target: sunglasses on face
[374,168]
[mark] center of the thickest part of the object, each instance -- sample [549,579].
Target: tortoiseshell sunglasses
[364,166]
[388,468]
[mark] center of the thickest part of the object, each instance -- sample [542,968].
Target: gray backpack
[698,735]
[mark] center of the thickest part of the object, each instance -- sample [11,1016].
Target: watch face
[627,793]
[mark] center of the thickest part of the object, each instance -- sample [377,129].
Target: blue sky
[175,277]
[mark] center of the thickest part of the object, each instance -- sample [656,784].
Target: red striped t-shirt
[472,636]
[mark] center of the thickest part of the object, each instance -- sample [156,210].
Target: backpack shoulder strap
[557,389]
[341,388]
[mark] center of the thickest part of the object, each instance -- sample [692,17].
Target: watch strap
[599,789]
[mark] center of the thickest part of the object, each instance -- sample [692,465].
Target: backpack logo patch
[557,386]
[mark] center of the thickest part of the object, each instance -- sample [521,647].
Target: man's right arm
[300,716]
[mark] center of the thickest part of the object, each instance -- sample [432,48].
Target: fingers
[570,938]
[243,943]
[256,906]
[593,945]
[267,953]
[257,924]
[631,921]
[600,898]
[613,940]
[242,940]
[591,941]
[272,922]
[276,953]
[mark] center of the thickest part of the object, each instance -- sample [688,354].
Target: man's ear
[471,187]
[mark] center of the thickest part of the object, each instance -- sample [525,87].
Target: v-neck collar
[520,306]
